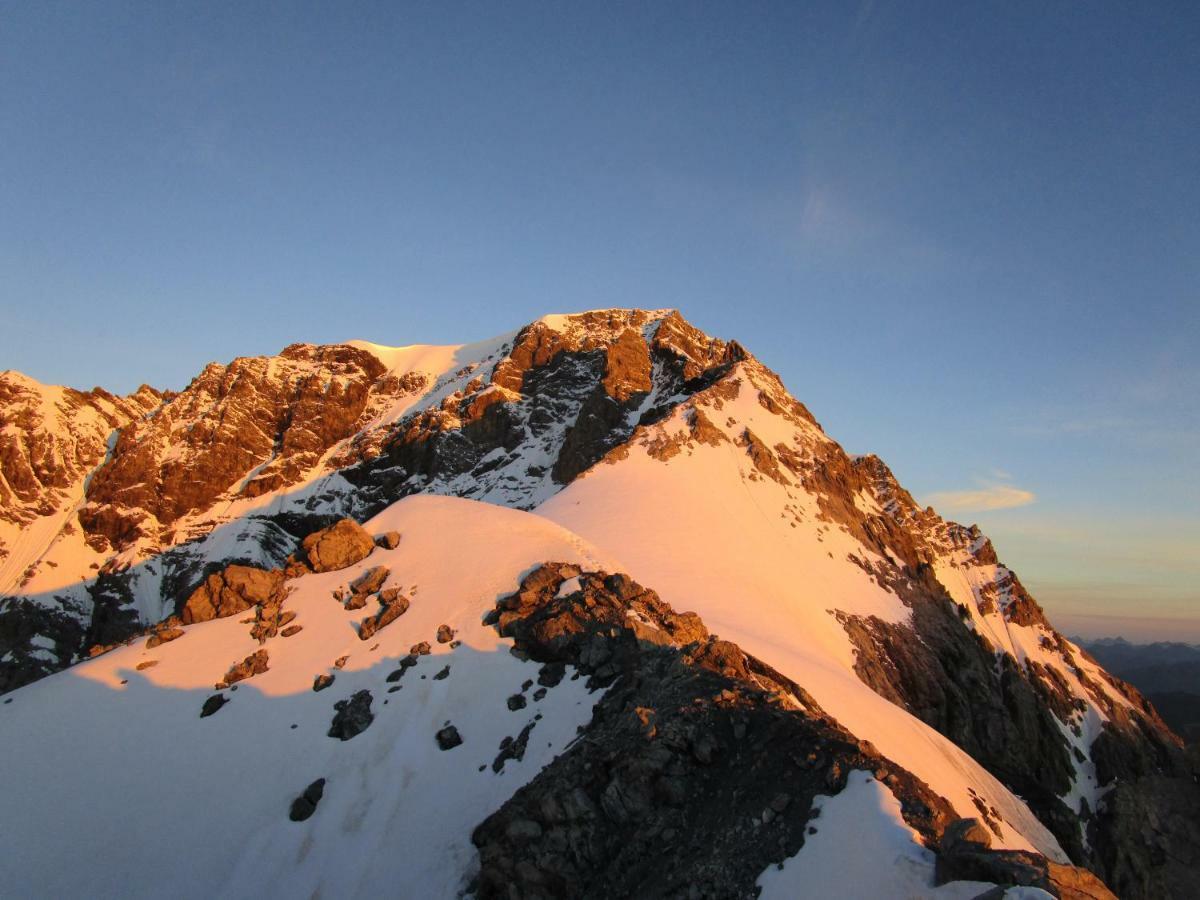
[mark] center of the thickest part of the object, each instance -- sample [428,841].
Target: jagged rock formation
[52,440]
[162,511]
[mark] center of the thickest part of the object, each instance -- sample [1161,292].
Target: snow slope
[888,859]
[760,566]
[113,766]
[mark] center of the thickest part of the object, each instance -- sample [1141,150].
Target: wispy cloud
[995,496]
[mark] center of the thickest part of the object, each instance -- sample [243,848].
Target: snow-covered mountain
[880,679]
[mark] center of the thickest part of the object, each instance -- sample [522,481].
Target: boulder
[212,704]
[322,681]
[369,581]
[389,540]
[340,545]
[966,834]
[384,617]
[448,738]
[306,804]
[352,717]
[163,636]
[229,592]
[445,634]
[254,664]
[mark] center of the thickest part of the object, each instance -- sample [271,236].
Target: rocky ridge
[675,789]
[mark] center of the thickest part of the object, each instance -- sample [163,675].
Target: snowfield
[200,805]
[712,536]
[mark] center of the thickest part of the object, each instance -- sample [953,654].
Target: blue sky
[966,235]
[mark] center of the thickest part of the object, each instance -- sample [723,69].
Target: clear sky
[967,235]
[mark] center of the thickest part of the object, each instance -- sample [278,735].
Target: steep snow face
[712,507]
[112,760]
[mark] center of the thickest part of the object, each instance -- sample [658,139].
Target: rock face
[51,438]
[272,417]
[340,545]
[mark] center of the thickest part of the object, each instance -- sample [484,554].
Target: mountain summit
[593,608]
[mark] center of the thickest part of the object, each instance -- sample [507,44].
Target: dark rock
[389,540]
[355,601]
[306,804]
[448,738]
[352,717]
[291,629]
[516,701]
[443,673]
[322,681]
[445,634]
[967,835]
[212,704]
[551,674]
[421,649]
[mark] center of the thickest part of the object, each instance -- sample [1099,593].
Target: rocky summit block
[340,545]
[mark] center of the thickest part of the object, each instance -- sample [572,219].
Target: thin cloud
[996,496]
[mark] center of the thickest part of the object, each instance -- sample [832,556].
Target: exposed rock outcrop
[254,664]
[233,590]
[340,545]
[391,608]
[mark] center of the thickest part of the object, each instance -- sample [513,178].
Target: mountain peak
[606,446]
